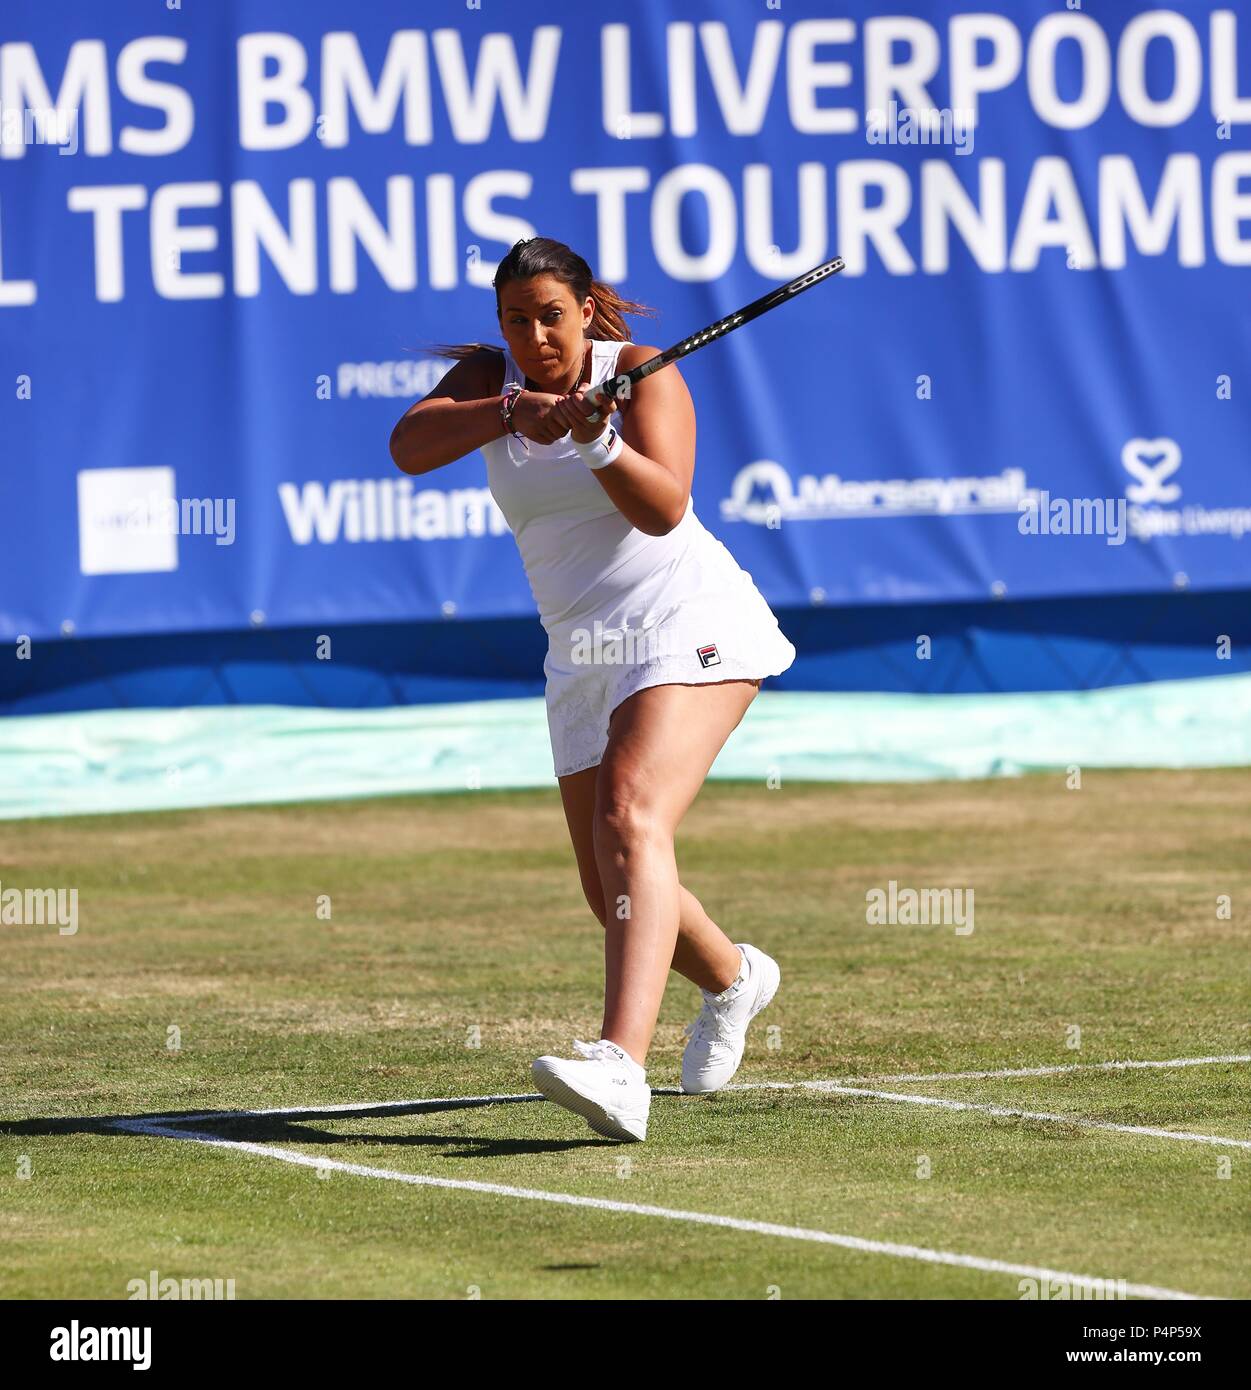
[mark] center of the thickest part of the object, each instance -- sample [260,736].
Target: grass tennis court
[458,948]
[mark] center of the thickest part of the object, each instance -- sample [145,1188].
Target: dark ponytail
[542,256]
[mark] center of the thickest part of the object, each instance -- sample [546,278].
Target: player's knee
[622,823]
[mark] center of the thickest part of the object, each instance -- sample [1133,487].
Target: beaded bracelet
[509,403]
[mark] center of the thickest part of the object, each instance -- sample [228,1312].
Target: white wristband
[602,451]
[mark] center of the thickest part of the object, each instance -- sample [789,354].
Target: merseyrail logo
[763,493]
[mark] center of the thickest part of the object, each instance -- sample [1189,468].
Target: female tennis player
[657,644]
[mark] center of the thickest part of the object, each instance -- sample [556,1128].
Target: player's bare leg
[661,743]
[704,954]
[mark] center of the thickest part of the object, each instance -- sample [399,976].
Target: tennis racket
[623,384]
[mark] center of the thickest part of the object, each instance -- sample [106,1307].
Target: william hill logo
[387,509]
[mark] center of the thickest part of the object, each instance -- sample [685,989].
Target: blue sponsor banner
[226,232]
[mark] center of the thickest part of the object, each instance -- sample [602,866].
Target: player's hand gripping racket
[622,385]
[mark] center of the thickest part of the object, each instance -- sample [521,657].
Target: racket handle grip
[602,396]
[598,397]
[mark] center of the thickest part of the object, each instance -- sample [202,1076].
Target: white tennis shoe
[719,1034]
[608,1089]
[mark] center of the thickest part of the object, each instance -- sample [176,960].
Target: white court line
[766,1228]
[1045,1071]
[850,1087]
[1003,1110]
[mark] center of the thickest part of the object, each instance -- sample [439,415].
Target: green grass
[1095,909]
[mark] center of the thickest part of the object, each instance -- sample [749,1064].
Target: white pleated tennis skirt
[592,666]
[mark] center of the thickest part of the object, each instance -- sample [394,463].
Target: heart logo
[1151,461]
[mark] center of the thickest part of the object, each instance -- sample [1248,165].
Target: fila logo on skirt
[708,655]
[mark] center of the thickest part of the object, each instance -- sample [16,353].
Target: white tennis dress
[622,610]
